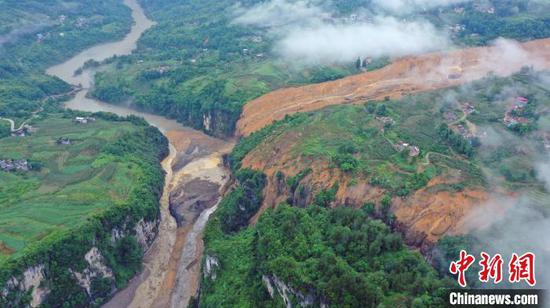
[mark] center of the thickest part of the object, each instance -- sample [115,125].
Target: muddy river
[195,178]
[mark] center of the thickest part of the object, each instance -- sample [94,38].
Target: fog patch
[408,6]
[542,170]
[276,13]
[15,34]
[311,32]
[385,36]
[524,228]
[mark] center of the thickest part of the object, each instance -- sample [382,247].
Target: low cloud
[276,13]
[518,220]
[310,32]
[400,7]
[543,173]
[385,36]
[513,54]
[523,228]
[15,34]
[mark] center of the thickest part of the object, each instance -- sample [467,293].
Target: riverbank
[168,275]
[195,159]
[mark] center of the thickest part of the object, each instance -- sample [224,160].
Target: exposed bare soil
[428,214]
[5,249]
[422,217]
[404,76]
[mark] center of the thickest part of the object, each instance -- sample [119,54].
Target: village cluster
[79,22]
[510,117]
[9,164]
[14,165]
[401,146]
[460,127]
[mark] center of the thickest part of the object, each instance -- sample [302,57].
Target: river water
[171,266]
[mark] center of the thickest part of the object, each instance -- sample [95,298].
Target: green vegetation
[37,34]
[373,142]
[243,202]
[337,256]
[351,139]
[194,66]
[108,177]
[485,21]
[199,66]
[456,141]
[5,128]
[349,257]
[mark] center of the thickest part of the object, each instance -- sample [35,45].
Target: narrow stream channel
[170,273]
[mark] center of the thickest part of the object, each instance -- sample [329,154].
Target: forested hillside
[38,34]
[419,166]
[201,68]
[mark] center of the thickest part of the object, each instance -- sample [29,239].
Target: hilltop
[79,200]
[426,165]
[400,78]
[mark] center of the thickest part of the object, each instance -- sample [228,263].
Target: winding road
[12,123]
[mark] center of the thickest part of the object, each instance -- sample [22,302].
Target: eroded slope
[402,77]
[425,161]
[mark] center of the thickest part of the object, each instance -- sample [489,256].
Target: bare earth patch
[404,76]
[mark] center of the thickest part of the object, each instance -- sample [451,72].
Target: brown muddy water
[195,178]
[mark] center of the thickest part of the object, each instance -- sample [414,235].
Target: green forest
[193,67]
[314,248]
[342,257]
[37,34]
[69,187]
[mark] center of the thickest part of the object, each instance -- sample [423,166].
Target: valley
[154,157]
[193,158]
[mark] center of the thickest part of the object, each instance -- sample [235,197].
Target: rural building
[414,151]
[23,131]
[386,120]
[84,120]
[455,72]
[522,100]
[468,108]
[14,164]
[63,141]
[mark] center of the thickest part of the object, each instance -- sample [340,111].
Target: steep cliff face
[290,297]
[423,217]
[211,266]
[32,286]
[146,231]
[96,268]
[219,122]
[28,283]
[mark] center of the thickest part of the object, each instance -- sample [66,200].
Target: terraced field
[67,183]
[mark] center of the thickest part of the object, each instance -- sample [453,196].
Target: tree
[381,110]
[385,205]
